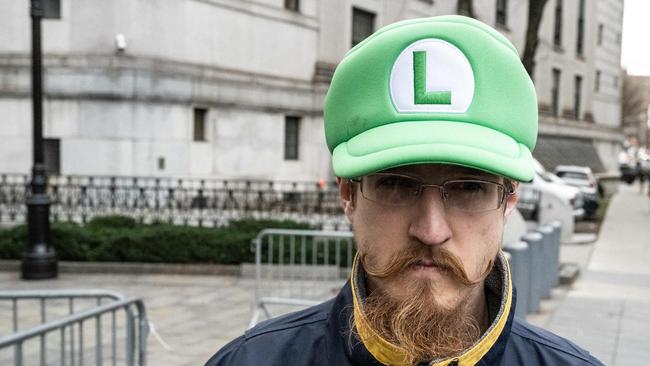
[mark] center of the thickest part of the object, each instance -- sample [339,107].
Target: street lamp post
[39,259]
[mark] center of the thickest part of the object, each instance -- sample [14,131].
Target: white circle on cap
[447,70]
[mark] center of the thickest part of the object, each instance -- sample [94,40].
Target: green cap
[445,89]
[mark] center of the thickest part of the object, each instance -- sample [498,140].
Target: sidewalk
[607,310]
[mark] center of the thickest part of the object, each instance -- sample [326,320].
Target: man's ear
[511,200]
[346,192]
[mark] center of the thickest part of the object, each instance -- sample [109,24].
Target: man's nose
[429,223]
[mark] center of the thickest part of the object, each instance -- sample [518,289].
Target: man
[431,123]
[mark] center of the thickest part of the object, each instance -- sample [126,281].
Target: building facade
[234,88]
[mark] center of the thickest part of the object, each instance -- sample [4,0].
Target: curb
[135,268]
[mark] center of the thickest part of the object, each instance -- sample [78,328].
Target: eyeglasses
[467,195]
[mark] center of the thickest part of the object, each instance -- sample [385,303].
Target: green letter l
[420,83]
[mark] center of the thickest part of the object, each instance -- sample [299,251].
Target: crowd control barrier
[299,267]
[71,327]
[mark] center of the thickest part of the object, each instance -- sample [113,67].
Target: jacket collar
[371,349]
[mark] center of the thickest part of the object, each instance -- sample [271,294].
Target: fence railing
[299,267]
[28,338]
[203,202]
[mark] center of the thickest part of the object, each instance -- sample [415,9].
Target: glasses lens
[473,196]
[390,189]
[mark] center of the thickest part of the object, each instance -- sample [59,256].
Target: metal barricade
[65,340]
[299,267]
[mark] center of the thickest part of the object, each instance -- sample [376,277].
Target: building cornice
[111,62]
[552,126]
[261,10]
[146,79]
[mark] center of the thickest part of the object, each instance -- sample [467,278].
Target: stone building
[234,88]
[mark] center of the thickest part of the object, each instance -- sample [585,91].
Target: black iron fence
[202,202]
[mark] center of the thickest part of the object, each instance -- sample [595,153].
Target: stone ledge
[134,268]
[569,272]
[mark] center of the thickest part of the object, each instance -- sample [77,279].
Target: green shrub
[73,242]
[123,239]
[112,221]
[12,242]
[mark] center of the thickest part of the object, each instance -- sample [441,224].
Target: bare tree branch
[636,97]
[535,12]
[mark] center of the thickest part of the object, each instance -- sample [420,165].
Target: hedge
[123,239]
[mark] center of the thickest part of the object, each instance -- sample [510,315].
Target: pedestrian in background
[640,174]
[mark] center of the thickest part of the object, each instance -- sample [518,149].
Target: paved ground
[606,311]
[195,315]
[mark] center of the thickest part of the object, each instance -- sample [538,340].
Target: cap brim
[444,142]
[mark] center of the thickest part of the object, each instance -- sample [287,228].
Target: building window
[199,124]
[502,12]
[600,33]
[581,29]
[557,29]
[161,163]
[291,137]
[51,9]
[616,81]
[293,5]
[555,92]
[597,81]
[465,7]
[577,96]
[363,24]
[52,156]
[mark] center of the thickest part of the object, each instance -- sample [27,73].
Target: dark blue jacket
[320,336]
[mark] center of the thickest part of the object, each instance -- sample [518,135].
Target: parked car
[582,178]
[559,187]
[546,199]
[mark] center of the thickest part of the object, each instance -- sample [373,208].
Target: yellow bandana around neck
[389,354]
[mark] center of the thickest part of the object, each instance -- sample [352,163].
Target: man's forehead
[440,170]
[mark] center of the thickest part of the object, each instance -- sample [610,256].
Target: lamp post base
[39,266]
